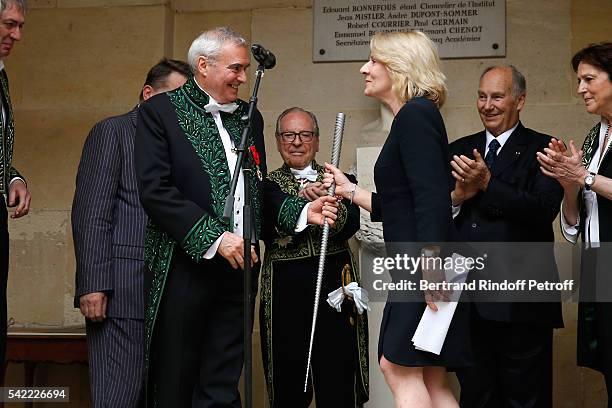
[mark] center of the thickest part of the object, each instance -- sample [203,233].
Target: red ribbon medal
[257,160]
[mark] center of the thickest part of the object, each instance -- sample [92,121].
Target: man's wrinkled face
[11,24]
[299,153]
[222,76]
[498,107]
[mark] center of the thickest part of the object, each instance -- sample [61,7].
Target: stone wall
[83,60]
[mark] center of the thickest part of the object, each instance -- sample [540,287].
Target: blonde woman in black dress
[413,202]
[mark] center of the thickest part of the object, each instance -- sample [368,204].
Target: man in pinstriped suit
[108,226]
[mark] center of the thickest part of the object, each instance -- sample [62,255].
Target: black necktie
[492,153]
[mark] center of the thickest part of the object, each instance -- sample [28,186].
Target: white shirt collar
[306,173]
[215,107]
[502,139]
[1,65]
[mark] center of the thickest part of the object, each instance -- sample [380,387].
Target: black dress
[413,183]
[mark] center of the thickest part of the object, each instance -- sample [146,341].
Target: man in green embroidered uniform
[184,157]
[13,188]
[288,281]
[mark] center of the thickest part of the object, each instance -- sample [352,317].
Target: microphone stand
[248,235]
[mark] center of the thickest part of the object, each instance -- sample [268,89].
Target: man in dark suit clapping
[108,226]
[501,195]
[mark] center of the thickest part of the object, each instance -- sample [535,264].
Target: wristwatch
[589,179]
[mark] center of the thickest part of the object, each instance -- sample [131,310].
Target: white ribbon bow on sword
[353,291]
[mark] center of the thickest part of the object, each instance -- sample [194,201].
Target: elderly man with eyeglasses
[339,372]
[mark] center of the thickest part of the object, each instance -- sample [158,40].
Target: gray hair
[297,109]
[209,44]
[21,4]
[519,85]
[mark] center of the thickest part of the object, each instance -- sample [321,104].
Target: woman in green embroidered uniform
[586,177]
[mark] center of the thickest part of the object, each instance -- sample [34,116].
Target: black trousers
[4,263]
[513,366]
[333,364]
[334,353]
[197,349]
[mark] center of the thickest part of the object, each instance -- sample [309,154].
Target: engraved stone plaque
[460,28]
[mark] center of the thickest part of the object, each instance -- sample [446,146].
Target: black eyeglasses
[305,136]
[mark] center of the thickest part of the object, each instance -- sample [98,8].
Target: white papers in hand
[433,327]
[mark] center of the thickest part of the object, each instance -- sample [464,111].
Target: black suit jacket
[519,205]
[411,173]
[413,193]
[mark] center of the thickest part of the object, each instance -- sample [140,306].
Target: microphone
[263,56]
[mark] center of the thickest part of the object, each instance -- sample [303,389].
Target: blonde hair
[413,64]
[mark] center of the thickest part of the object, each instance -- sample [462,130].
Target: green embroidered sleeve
[289,213]
[201,237]
[587,146]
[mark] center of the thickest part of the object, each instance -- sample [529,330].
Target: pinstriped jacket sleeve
[93,209]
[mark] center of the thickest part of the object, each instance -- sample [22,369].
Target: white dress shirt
[591,230]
